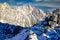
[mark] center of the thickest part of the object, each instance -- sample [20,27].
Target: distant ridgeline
[27,15]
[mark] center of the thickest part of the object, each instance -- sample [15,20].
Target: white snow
[20,36]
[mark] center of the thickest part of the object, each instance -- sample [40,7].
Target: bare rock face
[25,15]
[57,12]
[54,18]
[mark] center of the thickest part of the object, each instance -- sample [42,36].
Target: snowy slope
[20,36]
[25,15]
[37,31]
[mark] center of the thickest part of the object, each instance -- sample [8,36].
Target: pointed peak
[28,5]
[5,4]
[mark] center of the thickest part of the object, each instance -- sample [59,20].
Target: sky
[42,4]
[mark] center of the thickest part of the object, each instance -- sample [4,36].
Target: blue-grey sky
[42,4]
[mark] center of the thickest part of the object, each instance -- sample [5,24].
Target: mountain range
[28,23]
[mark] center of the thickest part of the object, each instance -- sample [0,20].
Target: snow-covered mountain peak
[4,5]
[25,15]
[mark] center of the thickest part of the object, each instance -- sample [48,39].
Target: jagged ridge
[25,15]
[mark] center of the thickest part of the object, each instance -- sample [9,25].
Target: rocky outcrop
[54,18]
[57,12]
